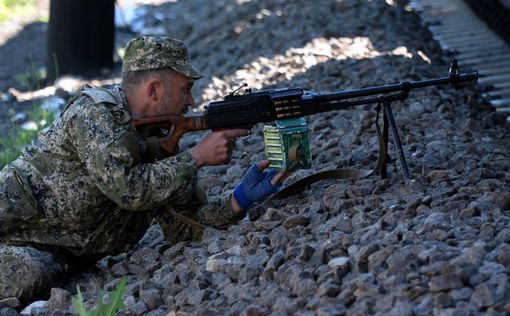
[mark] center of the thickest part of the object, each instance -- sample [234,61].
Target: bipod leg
[384,167]
[388,114]
[382,137]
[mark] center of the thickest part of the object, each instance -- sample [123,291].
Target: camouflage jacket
[82,183]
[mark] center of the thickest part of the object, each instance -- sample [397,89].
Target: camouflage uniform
[82,189]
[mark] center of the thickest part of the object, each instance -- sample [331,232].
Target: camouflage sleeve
[218,214]
[111,154]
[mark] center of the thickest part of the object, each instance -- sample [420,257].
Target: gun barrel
[403,86]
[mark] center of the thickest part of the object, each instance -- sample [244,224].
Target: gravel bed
[439,244]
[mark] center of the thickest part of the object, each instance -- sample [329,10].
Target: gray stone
[335,204]
[267,226]
[139,308]
[157,312]
[402,308]
[278,238]
[119,269]
[306,252]
[130,302]
[361,257]
[273,214]
[469,212]
[503,236]
[174,251]
[218,264]
[484,295]
[445,282]
[477,279]
[296,220]
[329,289]
[7,311]
[215,246]
[194,252]
[254,266]
[442,300]
[145,256]
[401,262]
[258,238]
[59,299]
[196,298]
[10,302]
[331,309]
[342,263]
[436,221]
[275,261]
[151,298]
[256,310]
[437,175]
[34,308]
[250,272]
[181,297]
[492,268]
[461,294]
[431,256]
[425,305]
[303,286]
[233,240]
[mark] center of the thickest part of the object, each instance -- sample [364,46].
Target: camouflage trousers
[27,272]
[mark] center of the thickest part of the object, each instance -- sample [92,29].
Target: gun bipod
[389,122]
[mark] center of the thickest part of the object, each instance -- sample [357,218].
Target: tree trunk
[80,37]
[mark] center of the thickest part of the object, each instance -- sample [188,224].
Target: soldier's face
[177,97]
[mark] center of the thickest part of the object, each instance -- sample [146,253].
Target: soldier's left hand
[256,185]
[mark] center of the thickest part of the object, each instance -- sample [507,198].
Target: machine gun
[287,145]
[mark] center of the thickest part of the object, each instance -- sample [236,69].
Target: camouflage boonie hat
[143,53]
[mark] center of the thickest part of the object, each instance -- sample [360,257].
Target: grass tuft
[18,137]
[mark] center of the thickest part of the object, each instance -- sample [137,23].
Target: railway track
[461,32]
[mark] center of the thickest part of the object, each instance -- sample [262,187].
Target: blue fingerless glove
[255,186]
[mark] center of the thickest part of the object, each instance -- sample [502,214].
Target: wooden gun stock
[178,126]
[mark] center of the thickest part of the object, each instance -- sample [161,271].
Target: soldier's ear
[154,90]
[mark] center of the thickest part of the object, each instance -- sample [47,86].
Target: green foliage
[77,301]
[16,9]
[18,137]
[32,77]
[114,304]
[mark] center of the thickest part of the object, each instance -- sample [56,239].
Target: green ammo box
[287,145]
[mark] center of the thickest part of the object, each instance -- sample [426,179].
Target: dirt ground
[22,45]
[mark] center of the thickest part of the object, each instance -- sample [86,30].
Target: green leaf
[100,307]
[115,299]
[78,303]
[114,305]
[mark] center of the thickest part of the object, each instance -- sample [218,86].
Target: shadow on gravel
[237,33]
[27,49]
[240,30]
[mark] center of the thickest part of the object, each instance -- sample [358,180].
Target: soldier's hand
[216,148]
[256,185]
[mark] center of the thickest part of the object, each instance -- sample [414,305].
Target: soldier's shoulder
[91,99]
[101,95]
[88,94]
